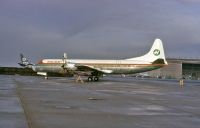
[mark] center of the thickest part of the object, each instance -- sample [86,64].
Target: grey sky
[104,29]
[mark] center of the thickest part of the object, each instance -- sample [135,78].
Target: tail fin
[24,61]
[155,55]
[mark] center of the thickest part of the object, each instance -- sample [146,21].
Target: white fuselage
[107,66]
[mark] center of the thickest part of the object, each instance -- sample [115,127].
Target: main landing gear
[90,79]
[93,78]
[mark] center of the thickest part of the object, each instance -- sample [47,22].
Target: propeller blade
[65,55]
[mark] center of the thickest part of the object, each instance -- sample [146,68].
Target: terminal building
[178,68]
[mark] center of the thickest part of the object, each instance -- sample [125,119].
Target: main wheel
[90,79]
[96,78]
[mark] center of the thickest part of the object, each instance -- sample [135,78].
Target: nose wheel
[93,78]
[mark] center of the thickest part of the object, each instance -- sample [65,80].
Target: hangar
[179,68]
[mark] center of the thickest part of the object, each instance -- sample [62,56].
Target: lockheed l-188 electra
[95,68]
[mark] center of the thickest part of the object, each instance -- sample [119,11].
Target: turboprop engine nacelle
[66,64]
[69,66]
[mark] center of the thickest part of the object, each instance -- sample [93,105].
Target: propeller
[64,66]
[65,58]
[67,66]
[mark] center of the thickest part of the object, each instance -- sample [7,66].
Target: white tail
[156,53]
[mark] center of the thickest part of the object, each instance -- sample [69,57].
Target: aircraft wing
[92,69]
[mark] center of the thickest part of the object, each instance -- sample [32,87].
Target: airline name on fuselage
[49,61]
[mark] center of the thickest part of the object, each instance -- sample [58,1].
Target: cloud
[189,1]
[97,29]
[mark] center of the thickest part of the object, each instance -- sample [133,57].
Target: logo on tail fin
[156,52]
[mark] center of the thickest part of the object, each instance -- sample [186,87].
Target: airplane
[94,68]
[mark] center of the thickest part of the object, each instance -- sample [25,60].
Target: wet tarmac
[11,111]
[111,103]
